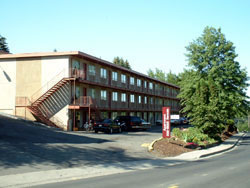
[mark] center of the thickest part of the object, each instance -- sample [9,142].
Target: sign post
[166,122]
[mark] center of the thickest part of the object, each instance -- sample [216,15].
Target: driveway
[26,147]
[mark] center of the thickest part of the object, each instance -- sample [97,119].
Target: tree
[3,44]
[213,92]
[166,77]
[119,61]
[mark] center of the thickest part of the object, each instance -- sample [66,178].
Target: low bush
[194,135]
[242,126]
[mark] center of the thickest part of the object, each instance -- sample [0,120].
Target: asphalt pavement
[35,155]
[232,169]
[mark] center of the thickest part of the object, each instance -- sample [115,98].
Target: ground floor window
[104,115]
[139,114]
[113,115]
[145,116]
[131,113]
[123,113]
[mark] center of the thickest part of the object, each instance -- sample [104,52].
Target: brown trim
[123,89]
[86,57]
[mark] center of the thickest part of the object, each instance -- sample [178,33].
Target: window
[103,95]
[150,85]
[115,96]
[114,76]
[132,80]
[132,98]
[92,93]
[123,99]
[145,100]
[103,73]
[92,70]
[139,99]
[138,82]
[151,100]
[145,84]
[123,78]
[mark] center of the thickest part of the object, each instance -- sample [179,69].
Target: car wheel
[96,131]
[111,131]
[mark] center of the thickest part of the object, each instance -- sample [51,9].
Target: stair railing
[48,85]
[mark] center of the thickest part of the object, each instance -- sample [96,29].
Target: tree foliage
[119,61]
[166,77]
[214,90]
[3,44]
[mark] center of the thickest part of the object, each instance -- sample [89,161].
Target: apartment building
[67,89]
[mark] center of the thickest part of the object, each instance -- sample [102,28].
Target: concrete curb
[226,149]
[151,146]
[223,147]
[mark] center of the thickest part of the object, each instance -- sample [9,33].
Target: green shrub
[194,135]
[242,126]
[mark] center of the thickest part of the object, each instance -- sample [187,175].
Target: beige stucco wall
[53,69]
[28,80]
[7,85]
[28,77]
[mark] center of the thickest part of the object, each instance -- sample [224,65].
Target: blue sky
[149,33]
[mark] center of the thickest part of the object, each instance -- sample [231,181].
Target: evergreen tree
[3,44]
[213,92]
[119,61]
[166,77]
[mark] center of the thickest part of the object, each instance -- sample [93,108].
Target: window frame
[91,70]
[103,95]
[132,80]
[103,73]
[114,96]
[114,76]
[123,97]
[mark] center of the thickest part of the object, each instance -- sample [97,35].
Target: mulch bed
[172,147]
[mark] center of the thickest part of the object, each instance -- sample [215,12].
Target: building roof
[80,55]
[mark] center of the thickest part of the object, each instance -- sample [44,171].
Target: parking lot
[26,147]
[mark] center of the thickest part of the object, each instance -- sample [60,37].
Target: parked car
[184,120]
[131,122]
[175,121]
[158,122]
[145,123]
[107,125]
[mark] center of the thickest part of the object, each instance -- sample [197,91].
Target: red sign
[166,122]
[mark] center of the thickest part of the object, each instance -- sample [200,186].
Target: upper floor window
[92,93]
[138,82]
[123,97]
[123,78]
[92,70]
[132,80]
[145,84]
[132,98]
[145,100]
[115,96]
[103,95]
[150,85]
[114,76]
[103,73]
[151,100]
[139,99]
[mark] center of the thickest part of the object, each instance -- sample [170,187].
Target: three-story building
[67,89]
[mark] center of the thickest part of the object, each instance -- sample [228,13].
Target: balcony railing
[84,101]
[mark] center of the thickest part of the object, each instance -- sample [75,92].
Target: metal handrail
[48,85]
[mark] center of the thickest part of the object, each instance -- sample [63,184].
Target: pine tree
[214,90]
[119,61]
[3,44]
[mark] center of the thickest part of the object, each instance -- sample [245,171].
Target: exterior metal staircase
[35,109]
[44,93]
